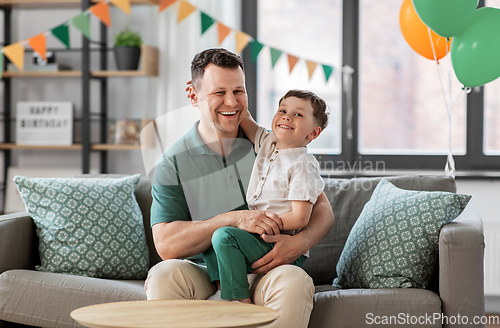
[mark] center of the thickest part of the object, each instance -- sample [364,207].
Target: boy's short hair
[217,56]
[318,105]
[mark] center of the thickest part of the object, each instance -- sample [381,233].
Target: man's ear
[193,96]
[314,133]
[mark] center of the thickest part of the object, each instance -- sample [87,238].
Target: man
[199,186]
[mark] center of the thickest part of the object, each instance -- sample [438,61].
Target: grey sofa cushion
[360,307]
[44,299]
[348,197]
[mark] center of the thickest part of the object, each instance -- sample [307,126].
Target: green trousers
[230,259]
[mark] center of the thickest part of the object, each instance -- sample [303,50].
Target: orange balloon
[416,34]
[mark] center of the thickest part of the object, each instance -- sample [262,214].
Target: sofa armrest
[17,242]
[461,276]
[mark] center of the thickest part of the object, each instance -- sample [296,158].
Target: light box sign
[44,123]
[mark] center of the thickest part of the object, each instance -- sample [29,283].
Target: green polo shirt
[191,182]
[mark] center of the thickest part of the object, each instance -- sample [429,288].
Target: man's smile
[228,113]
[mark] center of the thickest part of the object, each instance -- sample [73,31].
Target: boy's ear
[314,133]
[193,96]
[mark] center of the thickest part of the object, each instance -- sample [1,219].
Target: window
[399,115]
[311,30]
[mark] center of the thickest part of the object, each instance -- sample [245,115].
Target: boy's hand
[259,222]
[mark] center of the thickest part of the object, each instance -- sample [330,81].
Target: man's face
[222,99]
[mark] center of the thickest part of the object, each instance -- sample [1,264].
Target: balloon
[416,33]
[446,17]
[475,53]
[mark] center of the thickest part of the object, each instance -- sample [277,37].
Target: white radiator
[491,258]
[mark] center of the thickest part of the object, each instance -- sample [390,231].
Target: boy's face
[294,124]
[222,99]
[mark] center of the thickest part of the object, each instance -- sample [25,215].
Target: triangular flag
[39,44]
[185,9]
[311,66]
[62,33]
[275,55]
[223,31]
[292,60]
[123,5]
[101,10]
[206,22]
[165,3]
[1,65]
[328,71]
[255,48]
[82,23]
[242,40]
[15,52]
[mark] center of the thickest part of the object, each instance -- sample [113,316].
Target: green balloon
[445,17]
[475,53]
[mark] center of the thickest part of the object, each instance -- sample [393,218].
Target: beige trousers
[287,289]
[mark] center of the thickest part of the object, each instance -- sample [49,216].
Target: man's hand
[260,222]
[286,250]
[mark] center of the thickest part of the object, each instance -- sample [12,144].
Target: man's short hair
[218,56]
[318,104]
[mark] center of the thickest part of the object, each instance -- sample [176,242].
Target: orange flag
[39,44]
[292,60]
[165,3]
[185,9]
[311,66]
[15,52]
[101,10]
[242,40]
[123,5]
[223,31]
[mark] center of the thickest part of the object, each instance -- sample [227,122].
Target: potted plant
[127,48]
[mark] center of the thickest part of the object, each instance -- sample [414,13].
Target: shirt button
[254,196]
[276,152]
[263,178]
[271,160]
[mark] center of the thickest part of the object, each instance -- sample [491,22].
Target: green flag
[82,22]
[206,22]
[255,48]
[275,55]
[328,71]
[62,33]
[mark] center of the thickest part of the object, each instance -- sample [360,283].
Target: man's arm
[289,248]
[180,239]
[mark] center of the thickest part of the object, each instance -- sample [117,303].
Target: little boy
[285,180]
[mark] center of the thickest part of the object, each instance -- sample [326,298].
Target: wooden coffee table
[179,314]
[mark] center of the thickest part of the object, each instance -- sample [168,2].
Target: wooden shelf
[9,146]
[42,74]
[15,146]
[60,3]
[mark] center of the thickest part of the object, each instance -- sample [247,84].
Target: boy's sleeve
[306,183]
[260,136]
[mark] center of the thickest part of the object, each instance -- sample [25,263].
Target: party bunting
[82,23]
[328,71]
[39,44]
[242,40]
[292,60]
[166,3]
[62,34]
[101,11]
[185,9]
[311,66]
[255,48]
[223,31]
[206,22]
[275,55]
[15,53]
[124,5]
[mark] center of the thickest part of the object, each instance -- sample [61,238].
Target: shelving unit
[148,68]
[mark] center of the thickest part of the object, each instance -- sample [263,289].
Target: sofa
[43,299]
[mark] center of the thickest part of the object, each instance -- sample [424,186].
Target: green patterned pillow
[394,242]
[88,227]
